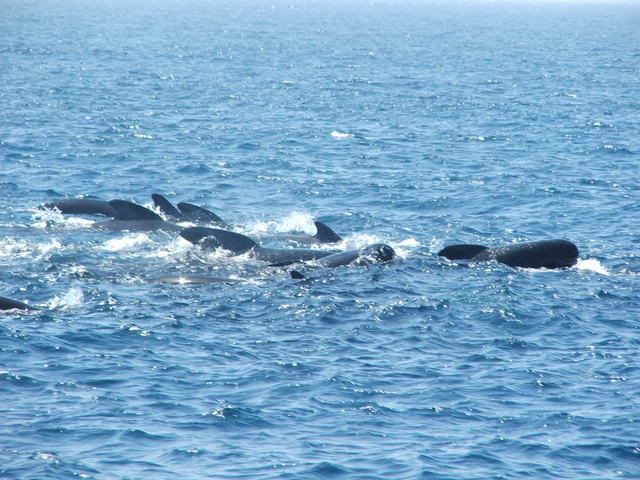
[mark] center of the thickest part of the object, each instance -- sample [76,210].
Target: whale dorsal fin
[296,275]
[131,211]
[325,234]
[11,304]
[165,205]
[462,252]
[195,213]
[234,242]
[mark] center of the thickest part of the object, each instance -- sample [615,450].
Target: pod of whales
[191,280]
[541,254]
[238,244]
[126,215]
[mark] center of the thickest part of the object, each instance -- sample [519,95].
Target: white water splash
[177,250]
[591,265]
[341,135]
[127,242]
[13,248]
[70,300]
[300,222]
[404,247]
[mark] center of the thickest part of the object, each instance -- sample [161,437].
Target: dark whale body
[187,212]
[82,206]
[11,304]
[541,254]
[238,244]
[131,216]
[323,235]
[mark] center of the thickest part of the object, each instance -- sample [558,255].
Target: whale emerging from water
[11,304]
[541,254]
[186,212]
[131,216]
[82,206]
[238,244]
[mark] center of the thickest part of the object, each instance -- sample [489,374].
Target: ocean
[416,124]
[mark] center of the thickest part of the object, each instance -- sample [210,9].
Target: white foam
[591,265]
[71,299]
[341,135]
[48,218]
[175,250]
[127,242]
[404,247]
[294,222]
[20,248]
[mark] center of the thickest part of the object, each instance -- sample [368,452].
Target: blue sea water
[415,124]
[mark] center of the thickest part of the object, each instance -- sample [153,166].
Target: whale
[374,253]
[550,254]
[81,206]
[131,216]
[7,303]
[187,212]
[180,279]
[238,244]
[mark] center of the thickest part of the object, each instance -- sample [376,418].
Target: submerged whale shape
[375,253]
[11,304]
[186,212]
[131,216]
[238,244]
[191,280]
[82,206]
[541,254]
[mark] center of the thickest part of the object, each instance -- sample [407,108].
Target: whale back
[125,210]
[194,213]
[165,206]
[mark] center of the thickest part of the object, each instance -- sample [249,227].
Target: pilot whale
[323,235]
[541,254]
[11,304]
[238,244]
[186,212]
[82,206]
[131,216]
